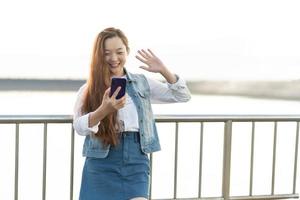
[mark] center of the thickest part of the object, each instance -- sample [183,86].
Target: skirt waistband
[134,135]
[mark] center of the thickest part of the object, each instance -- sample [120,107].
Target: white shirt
[159,93]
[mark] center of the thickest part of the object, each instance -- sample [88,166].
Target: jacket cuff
[179,85]
[94,128]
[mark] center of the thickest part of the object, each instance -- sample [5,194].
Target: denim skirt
[122,175]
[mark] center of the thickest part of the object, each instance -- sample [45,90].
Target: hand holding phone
[115,83]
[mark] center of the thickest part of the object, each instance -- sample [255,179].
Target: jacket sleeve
[168,93]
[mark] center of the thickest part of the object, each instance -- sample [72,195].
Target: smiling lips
[114,65]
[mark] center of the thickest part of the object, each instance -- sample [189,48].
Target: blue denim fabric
[138,89]
[122,175]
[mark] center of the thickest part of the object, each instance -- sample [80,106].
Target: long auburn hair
[98,82]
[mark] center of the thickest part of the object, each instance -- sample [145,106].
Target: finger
[106,93]
[107,90]
[141,59]
[121,99]
[120,102]
[123,102]
[116,92]
[151,53]
[142,53]
[145,68]
[146,53]
[119,106]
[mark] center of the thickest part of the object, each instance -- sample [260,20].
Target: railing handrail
[219,118]
[8,119]
[158,118]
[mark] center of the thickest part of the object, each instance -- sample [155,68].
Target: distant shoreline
[288,90]
[40,84]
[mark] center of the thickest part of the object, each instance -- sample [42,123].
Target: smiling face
[115,55]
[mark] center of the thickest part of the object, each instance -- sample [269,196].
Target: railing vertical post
[296,158]
[252,159]
[72,164]
[274,158]
[44,161]
[150,189]
[200,162]
[176,161]
[16,192]
[227,160]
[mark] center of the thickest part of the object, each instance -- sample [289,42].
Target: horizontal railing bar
[222,118]
[158,118]
[9,119]
[278,196]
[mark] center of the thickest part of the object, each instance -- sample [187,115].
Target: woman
[119,133]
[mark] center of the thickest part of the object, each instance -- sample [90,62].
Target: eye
[120,53]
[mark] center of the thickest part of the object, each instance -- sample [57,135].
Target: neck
[119,74]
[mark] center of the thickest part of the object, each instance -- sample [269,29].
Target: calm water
[63,102]
[59,142]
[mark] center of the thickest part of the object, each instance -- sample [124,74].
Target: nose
[113,57]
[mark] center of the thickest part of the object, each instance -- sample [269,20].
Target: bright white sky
[215,39]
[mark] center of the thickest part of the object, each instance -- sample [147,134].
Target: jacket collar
[129,76]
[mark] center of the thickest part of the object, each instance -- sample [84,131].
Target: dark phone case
[115,83]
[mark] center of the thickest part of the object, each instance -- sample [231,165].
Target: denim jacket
[138,89]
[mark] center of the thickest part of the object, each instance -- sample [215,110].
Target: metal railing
[228,120]
[45,120]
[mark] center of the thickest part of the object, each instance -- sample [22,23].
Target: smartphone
[115,83]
